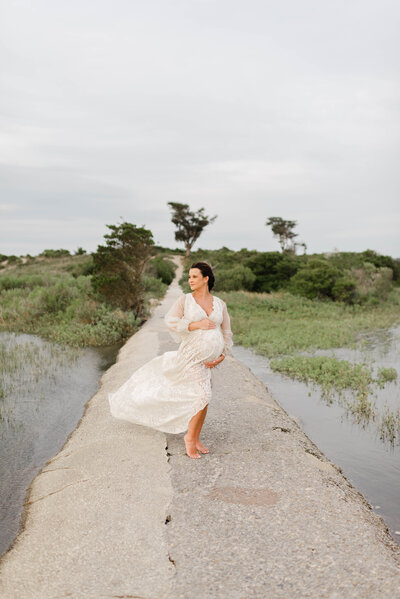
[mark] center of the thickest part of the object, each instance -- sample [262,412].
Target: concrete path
[121,511]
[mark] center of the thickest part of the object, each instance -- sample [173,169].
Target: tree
[118,265]
[283,229]
[189,224]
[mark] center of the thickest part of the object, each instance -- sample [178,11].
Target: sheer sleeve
[226,329]
[176,322]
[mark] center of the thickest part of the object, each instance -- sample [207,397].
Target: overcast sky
[248,108]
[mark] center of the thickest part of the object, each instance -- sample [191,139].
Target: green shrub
[161,268]
[315,279]
[233,279]
[273,270]
[344,290]
[82,268]
[55,298]
[107,326]
[153,286]
[13,259]
[55,253]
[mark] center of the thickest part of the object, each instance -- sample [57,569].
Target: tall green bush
[273,270]
[233,279]
[161,268]
[119,265]
[315,279]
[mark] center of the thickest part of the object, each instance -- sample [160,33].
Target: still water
[43,392]
[370,464]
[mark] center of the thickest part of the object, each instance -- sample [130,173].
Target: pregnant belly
[207,345]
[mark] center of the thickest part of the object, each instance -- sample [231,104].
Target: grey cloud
[255,107]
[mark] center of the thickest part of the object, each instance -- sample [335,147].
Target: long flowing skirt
[164,393]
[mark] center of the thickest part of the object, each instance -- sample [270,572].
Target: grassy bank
[53,297]
[277,324]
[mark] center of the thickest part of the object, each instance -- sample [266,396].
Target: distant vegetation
[95,299]
[348,277]
[52,295]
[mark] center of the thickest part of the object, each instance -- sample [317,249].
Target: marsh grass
[283,327]
[389,425]
[25,363]
[334,377]
[386,375]
[329,372]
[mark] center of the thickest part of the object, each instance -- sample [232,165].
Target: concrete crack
[59,457]
[171,560]
[282,428]
[54,492]
[54,469]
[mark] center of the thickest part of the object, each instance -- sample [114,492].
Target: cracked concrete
[264,515]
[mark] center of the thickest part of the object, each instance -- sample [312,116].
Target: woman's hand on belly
[220,359]
[204,324]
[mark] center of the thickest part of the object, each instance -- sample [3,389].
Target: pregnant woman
[171,392]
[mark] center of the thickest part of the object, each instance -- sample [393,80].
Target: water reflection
[44,391]
[371,464]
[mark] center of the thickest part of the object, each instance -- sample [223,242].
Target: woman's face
[196,279]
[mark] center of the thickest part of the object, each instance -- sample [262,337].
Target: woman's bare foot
[191,448]
[201,447]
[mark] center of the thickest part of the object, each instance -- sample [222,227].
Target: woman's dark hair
[206,271]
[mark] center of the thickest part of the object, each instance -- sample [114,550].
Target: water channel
[369,463]
[43,392]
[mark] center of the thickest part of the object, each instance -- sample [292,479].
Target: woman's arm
[175,320]
[226,329]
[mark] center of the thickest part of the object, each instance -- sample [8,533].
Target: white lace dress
[168,391]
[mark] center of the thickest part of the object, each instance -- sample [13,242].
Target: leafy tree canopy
[189,225]
[283,230]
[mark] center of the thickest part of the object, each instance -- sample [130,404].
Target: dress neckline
[201,307]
